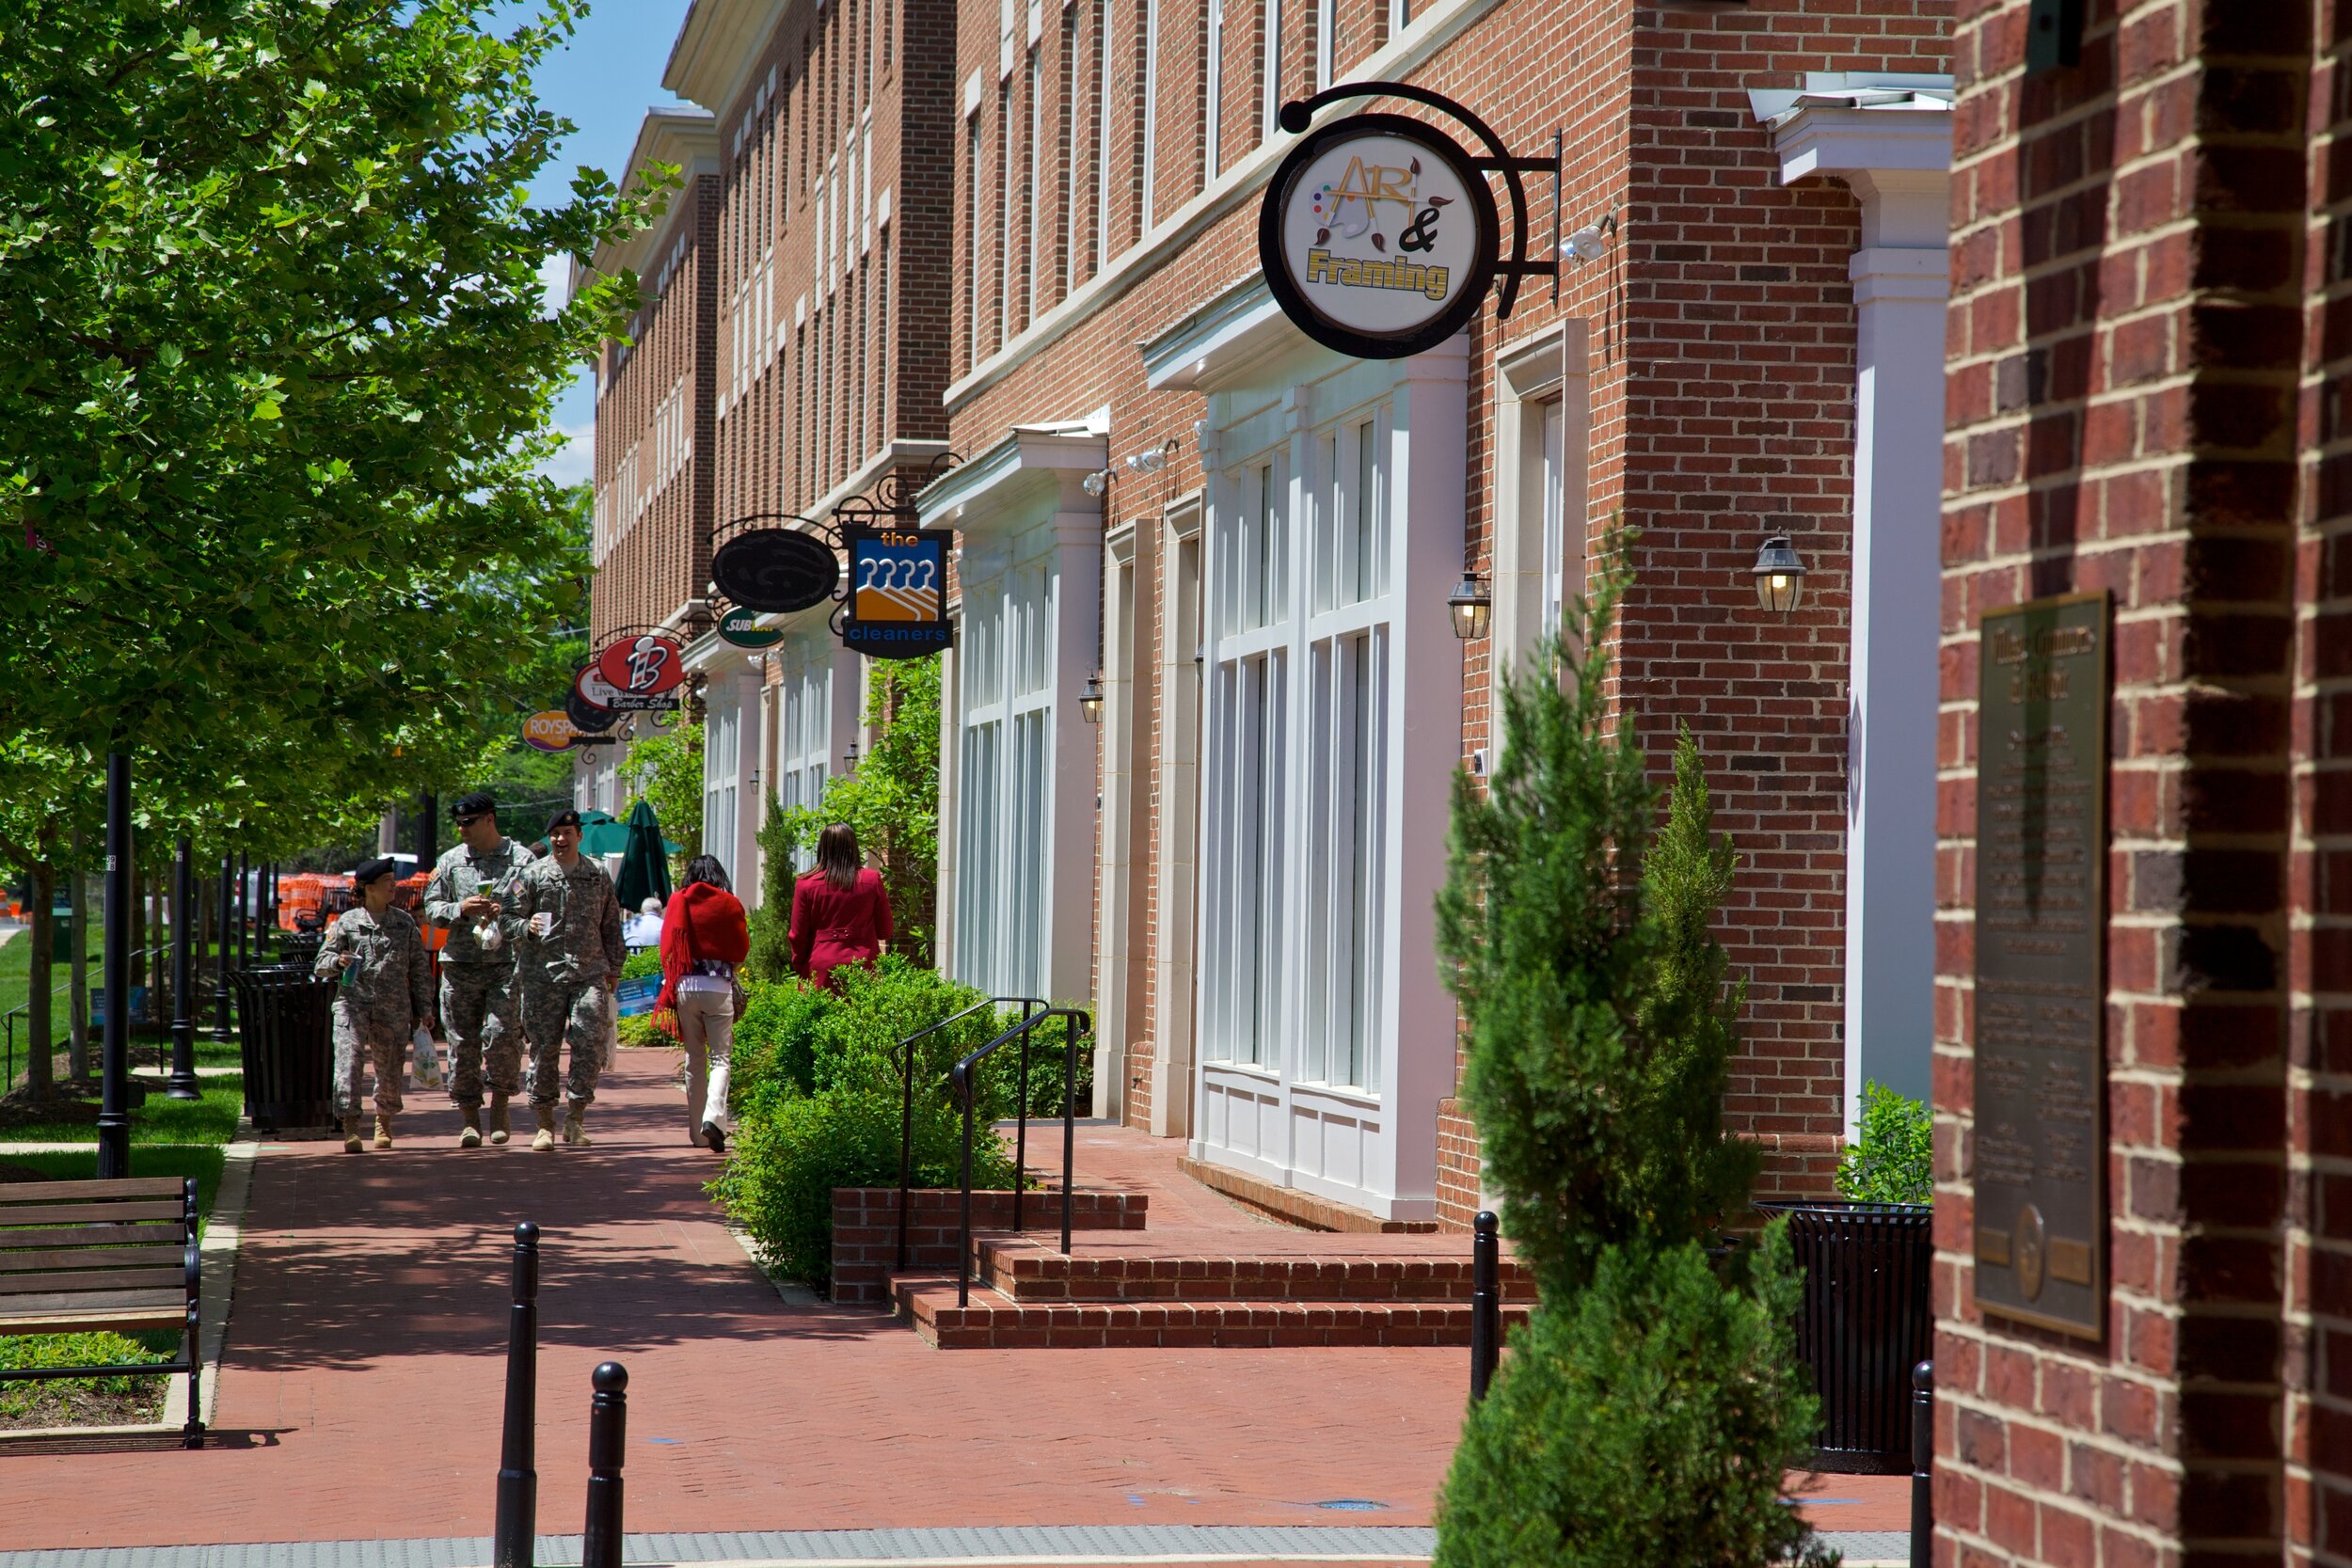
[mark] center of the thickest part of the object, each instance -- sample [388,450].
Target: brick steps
[1029,1270]
[996,1321]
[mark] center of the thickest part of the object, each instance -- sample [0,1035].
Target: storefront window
[1005,853]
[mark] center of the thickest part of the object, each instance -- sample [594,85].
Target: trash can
[299,949]
[287,1030]
[1863,1323]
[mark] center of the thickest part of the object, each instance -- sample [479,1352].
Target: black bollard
[608,1437]
[519,1482]
[1922,1464]
[1485,1304]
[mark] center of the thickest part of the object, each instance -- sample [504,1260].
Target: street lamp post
[221,952]
[182,1086]
[245,910]
[114,1106]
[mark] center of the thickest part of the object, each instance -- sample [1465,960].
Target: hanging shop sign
[1379,235]
[587,717]
[897,603]
[777,570]
[549,731]
[645,670]
[740,626]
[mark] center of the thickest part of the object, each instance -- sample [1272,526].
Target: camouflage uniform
[568,973]
[478,1001]
[384,994]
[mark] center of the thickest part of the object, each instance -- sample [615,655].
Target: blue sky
[603,83]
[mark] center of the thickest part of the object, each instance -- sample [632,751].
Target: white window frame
[1008,675]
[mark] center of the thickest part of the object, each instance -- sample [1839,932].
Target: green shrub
[27,1352]
[1645,1419]
[1894,1159]
[644,964]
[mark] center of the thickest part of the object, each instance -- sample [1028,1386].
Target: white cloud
[576,463]
[555,282]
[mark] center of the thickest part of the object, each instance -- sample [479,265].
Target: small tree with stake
[1648,1411]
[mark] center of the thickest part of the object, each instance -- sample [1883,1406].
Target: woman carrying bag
[704,935]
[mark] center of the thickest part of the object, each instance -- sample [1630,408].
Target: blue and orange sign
[898,605]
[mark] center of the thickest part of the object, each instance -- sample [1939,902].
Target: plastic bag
[426,1060]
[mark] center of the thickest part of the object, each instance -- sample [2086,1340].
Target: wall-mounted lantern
[1091,698]
[1779,573]
[1471,605]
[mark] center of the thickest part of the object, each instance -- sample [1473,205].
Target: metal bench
[119,1257]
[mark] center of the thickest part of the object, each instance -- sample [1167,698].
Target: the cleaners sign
[1378,236]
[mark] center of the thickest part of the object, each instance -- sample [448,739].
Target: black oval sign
[776,569]
[587,715]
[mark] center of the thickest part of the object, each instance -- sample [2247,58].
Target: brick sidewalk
[359,1396]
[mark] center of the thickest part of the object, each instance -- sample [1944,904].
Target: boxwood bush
[817,1094]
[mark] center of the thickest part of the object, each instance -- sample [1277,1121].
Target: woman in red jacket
[840,915]
[704,935]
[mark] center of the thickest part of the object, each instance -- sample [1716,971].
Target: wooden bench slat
[125,1187]
[89,1235]
[167,1255]
[118,1321]
[70,1303]
[68,1213]
[92,1281]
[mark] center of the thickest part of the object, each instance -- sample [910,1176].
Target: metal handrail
[906,1097]
[1081,1024]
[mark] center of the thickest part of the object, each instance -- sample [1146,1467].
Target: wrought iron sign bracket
[1298,115]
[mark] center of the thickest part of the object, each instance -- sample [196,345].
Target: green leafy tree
[771,957]
[1893,1161]
[665,771]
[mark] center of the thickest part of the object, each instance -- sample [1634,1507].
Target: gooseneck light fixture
[1471,605]
[1779,573]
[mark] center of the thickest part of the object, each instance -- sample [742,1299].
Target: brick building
[2146,399]
[826,343]
[654,475]
[1275,528]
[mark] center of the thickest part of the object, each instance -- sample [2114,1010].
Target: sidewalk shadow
[68,1446]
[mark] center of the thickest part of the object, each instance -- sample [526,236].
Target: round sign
[776,569]
[741,627]
[587,717]
[1377,237]
[645,665]
[550,731]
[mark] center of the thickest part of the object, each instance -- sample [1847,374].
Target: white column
[1901,277]
[1077,577]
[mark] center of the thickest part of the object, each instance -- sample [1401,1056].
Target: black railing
[1078,1025]
[1029,1005]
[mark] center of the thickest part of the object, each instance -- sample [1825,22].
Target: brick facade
[2143,400]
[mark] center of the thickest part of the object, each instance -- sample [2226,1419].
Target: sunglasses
[468,821]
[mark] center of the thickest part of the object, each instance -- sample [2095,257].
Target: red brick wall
[2122,394]
[866,1229]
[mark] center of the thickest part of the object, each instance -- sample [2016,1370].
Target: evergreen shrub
[1646,1418]
[817,1097]
[1893,1161]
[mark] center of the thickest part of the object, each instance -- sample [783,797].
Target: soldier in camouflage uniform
[387,991]
[475,889]
[571,961]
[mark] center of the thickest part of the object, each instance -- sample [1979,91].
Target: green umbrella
[599,835]
[645,866]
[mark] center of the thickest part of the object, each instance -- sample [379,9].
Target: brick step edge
[995,1321]
[1025,1275]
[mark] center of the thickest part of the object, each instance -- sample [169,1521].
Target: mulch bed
[66,1402]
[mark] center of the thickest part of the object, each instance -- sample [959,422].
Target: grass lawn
[161,1120]
[99,1401]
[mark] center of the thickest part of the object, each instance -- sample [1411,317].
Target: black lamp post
[245,910]
[114,1106]
[182,1085]
[221,952]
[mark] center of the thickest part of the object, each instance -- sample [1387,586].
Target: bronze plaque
[2040,1079]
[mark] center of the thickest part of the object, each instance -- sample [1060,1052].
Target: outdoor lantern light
[850,757]
[1779,573]
[1091,698]
[1472,604]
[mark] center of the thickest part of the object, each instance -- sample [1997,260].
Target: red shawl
[704,920]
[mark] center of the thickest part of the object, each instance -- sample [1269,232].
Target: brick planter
[866,1229]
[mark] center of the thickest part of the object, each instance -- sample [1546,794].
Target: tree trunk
[77,1043]
[39,1080]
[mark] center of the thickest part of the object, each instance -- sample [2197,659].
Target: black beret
[479,803]
[565,818]
[368,871]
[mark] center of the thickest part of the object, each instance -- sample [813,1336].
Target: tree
[665,771]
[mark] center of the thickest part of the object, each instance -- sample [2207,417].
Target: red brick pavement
[359,1396]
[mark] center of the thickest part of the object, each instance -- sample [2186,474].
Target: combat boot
[471,1136]
[352,1143]
[497,1116]
[545,1138]
[576,1125]
[383,1131]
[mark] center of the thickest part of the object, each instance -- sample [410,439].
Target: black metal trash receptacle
[299,949]
[1864,1323]
[286,1025]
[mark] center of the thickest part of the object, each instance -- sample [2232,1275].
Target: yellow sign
[550,731]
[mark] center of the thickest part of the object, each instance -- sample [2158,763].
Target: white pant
[705,1023]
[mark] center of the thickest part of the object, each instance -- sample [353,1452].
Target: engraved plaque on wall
[2040,1079]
